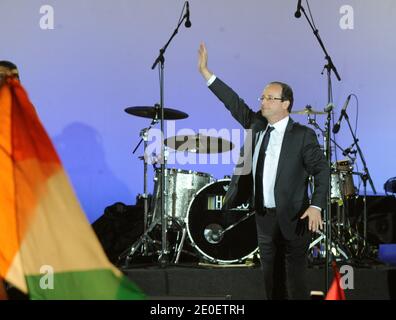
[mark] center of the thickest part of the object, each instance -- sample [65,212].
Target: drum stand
[179,248]
[365,176]
[335,246]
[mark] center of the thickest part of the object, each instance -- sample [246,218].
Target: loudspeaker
[381,217]
[382,226]
[118,228]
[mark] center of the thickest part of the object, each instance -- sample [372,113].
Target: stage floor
[192,281]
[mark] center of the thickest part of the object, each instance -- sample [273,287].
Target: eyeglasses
[269,98]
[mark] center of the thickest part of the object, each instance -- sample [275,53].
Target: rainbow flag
[47,246]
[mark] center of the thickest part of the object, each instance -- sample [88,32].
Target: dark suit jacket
[300,157]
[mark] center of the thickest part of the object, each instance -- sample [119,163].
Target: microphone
[336,127]
[187,24]
[298,11]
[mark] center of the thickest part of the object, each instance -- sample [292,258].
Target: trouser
[283,262]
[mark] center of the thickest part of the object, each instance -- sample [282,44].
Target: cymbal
[154,112]
[308,111]
[199,144]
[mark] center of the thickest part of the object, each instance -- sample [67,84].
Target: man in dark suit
[273,176]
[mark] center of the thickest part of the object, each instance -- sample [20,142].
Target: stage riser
[246,284]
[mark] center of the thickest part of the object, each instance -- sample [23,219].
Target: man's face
[272,106]
[6,72]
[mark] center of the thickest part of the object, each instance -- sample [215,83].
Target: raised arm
[238,108]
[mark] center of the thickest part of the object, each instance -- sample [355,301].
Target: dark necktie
[258,181]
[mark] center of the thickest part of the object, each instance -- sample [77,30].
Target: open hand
[314,219]
[203,62]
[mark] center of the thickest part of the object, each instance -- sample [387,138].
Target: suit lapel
[287,145]
[259,125]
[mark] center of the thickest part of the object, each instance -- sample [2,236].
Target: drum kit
[193,204]
[348,240]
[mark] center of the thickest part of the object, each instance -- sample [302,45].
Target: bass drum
[206,222]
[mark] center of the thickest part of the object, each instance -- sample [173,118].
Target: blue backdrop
[82,71]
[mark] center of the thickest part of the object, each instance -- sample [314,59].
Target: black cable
[310,13]
[357,111]
[181,15]
[356,127]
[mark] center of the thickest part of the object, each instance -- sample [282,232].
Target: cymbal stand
[160,60]
[144,241]
[144,137]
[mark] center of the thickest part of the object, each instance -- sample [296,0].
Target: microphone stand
[164,256]
[329,67]
[365,176]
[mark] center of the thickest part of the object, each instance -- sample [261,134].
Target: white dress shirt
[271,160]
[211,80]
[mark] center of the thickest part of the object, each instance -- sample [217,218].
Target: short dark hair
[287,93]
[9,65]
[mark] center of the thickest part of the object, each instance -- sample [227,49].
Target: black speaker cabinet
[381,216]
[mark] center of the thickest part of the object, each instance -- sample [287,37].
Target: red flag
[336,292]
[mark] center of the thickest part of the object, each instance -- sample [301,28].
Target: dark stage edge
[186,282]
